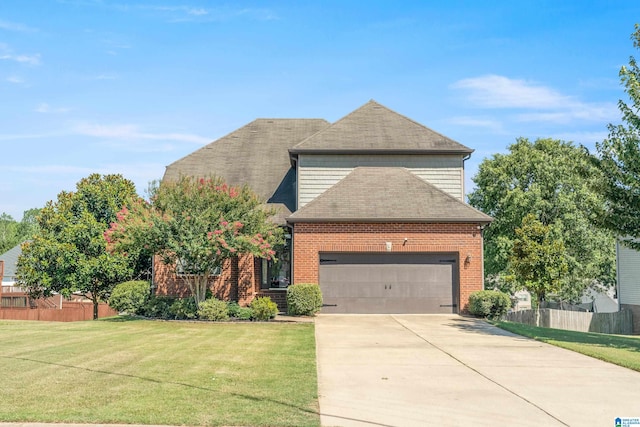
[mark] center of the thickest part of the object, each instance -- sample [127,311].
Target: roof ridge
[398,133]
[371,101]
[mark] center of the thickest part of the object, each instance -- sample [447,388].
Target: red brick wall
[464,239]
[238,281]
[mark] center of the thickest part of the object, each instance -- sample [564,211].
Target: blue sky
[131,86]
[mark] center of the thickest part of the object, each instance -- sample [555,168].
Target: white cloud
[14,26]
[544,104]
[585,138]
[52,169]
[130,132]
[480,122]
[604,112]
[11,137]
[15,79]
[105,76]
[494,91]
[46,108]
[7,54]
[197,12]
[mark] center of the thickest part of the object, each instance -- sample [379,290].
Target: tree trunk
[95,309]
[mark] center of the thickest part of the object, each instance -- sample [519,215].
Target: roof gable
[10,259]
[383,194]
[375,128]
[254,155]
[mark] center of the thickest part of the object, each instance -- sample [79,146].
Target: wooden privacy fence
[70,312]
[620,322]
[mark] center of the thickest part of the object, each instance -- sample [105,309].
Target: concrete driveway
[434,370]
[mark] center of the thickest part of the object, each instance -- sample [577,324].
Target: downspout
[482,227]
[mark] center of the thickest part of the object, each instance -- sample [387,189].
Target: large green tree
[194,225]
[68,254]
[538,259]
[552,180]
[618,158]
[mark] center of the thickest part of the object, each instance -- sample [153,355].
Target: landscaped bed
[621,350]
[134,371]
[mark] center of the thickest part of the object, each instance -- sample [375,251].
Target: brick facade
[239,280]
[464,239]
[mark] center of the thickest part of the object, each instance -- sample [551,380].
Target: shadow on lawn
[152,380]
[621,342]
[120,319]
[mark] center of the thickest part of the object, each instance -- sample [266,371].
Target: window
[182,266]
[278,274]
[14,302]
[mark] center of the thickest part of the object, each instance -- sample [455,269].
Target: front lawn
[621,350]
[153,372]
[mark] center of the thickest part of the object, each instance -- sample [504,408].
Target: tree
[551,180]
[68,254]
[538,259]
[28,226]
[194,225]
[13,232]
[618,158]
[8,232]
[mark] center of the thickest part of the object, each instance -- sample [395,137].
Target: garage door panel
[389,283]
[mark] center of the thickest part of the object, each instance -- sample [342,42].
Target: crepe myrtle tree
[194,225]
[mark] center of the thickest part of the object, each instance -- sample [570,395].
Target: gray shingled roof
[255,155]
[375,128]
[10,259]
[382,194]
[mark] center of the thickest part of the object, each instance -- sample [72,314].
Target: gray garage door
[389,283]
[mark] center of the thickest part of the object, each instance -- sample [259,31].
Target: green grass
[154,372]
[621,350]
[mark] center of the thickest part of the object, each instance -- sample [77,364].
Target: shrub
[491,304]
[242,313]
[264,309]
[304,299]
[213,309]
[130,297]
[158,307]
[184,309]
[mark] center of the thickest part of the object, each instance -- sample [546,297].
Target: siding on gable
[628,275]
[318,172]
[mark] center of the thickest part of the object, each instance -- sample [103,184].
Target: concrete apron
[417,370]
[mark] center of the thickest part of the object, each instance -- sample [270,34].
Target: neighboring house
[11,296]
[591,300]
[628,268]
[373,205]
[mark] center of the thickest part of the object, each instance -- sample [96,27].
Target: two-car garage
[389,282]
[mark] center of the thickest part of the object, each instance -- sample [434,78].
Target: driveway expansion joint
[477,371]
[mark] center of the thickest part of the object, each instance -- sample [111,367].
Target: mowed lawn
[154,372]
[621,350]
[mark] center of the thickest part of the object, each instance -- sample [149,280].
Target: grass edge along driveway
[622,350]
[153,372]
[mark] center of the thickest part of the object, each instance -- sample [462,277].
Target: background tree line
[559,208]
[13,232]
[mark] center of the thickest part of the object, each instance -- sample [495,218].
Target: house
[628,271]
[11,296]
[373,207]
